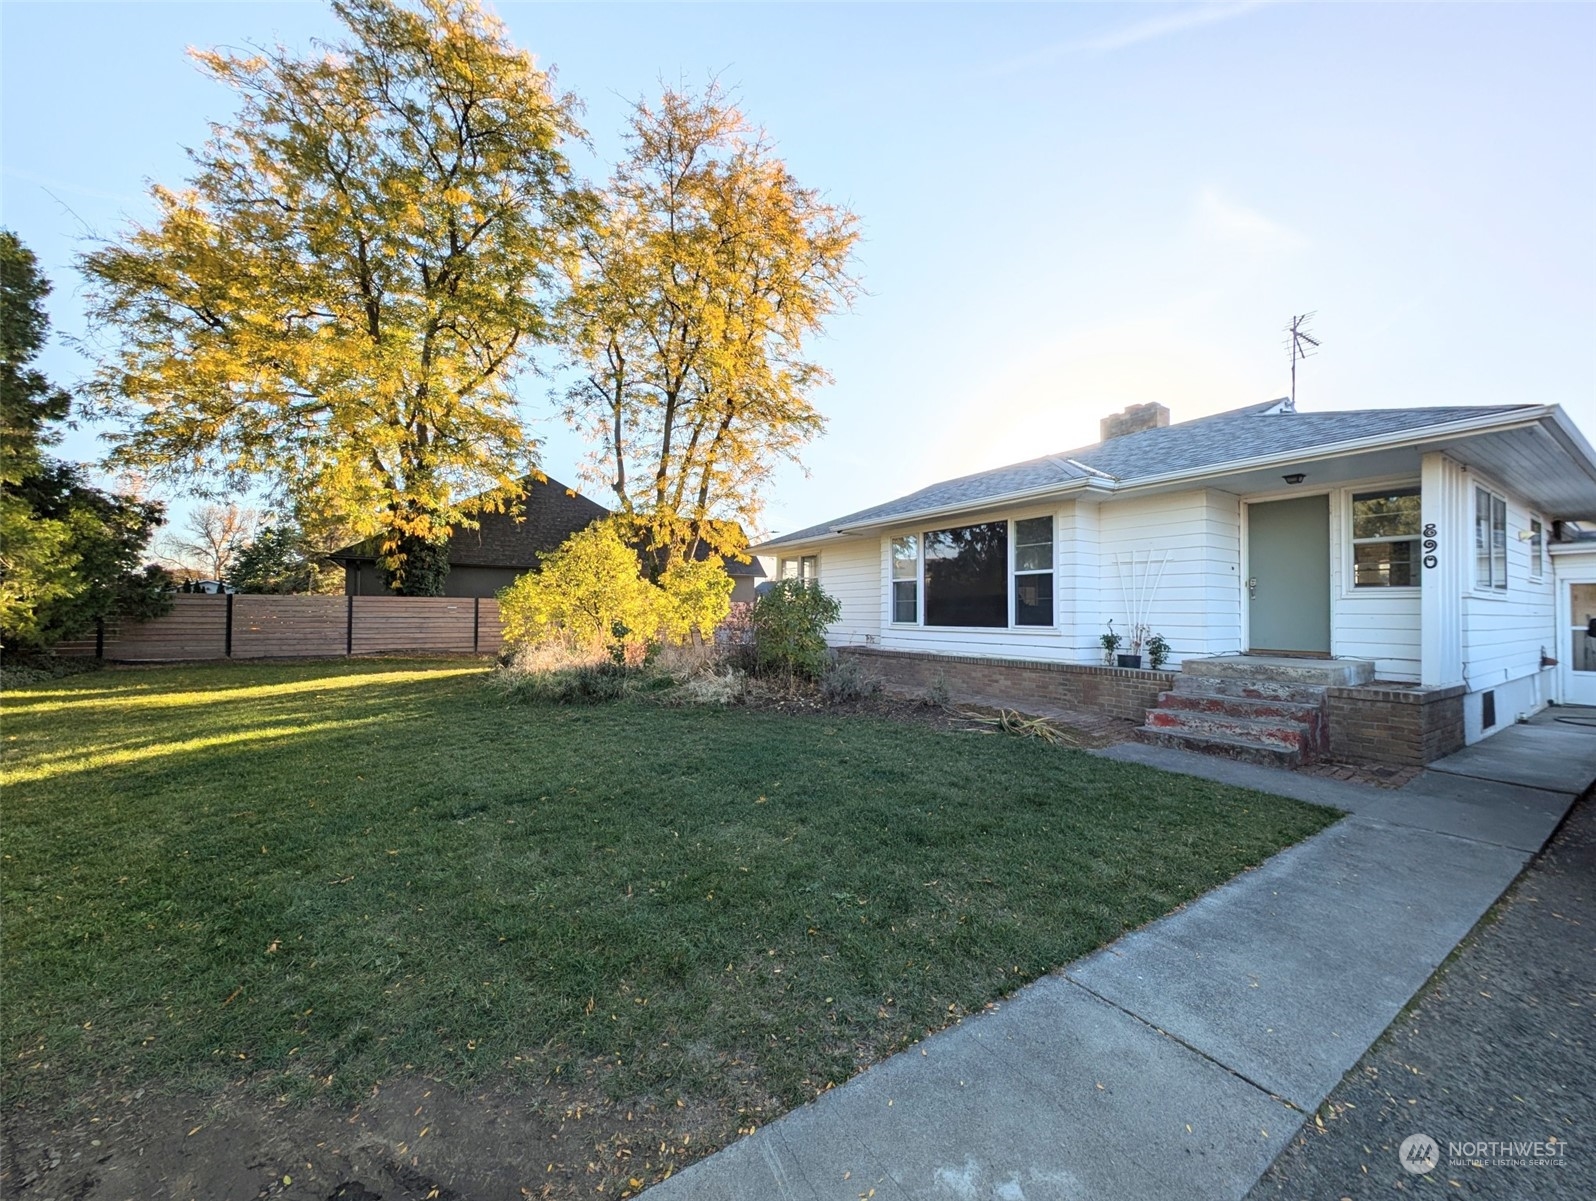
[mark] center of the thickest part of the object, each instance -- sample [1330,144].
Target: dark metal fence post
[227,636]
[349,627]
[476,625]
[99,638]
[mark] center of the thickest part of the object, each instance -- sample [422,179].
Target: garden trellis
[1139,580]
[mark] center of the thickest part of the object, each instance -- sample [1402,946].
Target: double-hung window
[1490,540]
[1385,539]
[906,579]
[1033,572]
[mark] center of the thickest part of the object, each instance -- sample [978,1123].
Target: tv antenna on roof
[1300,343]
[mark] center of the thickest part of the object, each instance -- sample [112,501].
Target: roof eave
[1567,435]
[1336,450]
[840,531]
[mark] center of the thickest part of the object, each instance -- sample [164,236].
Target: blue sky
[1066,208]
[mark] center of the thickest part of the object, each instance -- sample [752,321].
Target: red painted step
[1265,720]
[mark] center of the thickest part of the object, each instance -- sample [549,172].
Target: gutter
[1330,450]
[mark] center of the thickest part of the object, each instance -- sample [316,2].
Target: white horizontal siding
[1193,599]
[1378,624]
[1504,633]
[851,572]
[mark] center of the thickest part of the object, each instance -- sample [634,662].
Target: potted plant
[1157,651]
[1110,643]
[1134,659]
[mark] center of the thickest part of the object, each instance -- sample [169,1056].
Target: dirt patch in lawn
[408,1140]
[957,716]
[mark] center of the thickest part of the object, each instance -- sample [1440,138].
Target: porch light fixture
[1296,477]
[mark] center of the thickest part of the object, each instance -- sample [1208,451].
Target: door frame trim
[1563,614]
[1264,498]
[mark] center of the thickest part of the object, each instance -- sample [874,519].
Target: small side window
[1490,540]
[806,568]
[1385,539]
[1537,548]
[906,580]
[1033,572]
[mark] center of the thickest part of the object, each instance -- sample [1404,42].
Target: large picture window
[1385,539]
[906,580]
[966,575]
[1033,572]
[1490,540]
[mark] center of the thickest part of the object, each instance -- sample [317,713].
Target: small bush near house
[727,687]
[559,672]
[588,684]
[790,623]
[845,679]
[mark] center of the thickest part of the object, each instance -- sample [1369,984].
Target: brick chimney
[1134,420]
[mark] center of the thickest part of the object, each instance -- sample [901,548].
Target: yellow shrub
[583,592]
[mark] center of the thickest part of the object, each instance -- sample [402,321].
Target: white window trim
[1490,590]
[1052,570]
[919,533]
[782,561]
[1349,563]
[919,582]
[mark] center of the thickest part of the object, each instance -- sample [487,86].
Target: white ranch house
[1416,576]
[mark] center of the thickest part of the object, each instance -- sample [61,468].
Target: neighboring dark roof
[734,567]
[754,569]
[550,513]
[1203,444]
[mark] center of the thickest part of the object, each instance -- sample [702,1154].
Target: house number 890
[1429,546]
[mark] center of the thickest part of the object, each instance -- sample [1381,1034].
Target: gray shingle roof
[1256,431]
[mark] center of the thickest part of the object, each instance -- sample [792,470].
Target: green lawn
[328,873]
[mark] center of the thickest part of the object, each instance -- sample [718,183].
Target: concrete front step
[1325,673]
[1310,711]
[1265,731]
[1249,689]
[1230,748]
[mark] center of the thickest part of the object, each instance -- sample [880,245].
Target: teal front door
[1288,570]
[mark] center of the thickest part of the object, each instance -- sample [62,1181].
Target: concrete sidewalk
[1181,1059]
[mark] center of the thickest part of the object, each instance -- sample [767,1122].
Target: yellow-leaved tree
[340,296]
[695,597]
[703,269]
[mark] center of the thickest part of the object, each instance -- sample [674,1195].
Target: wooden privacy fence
[247,626]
